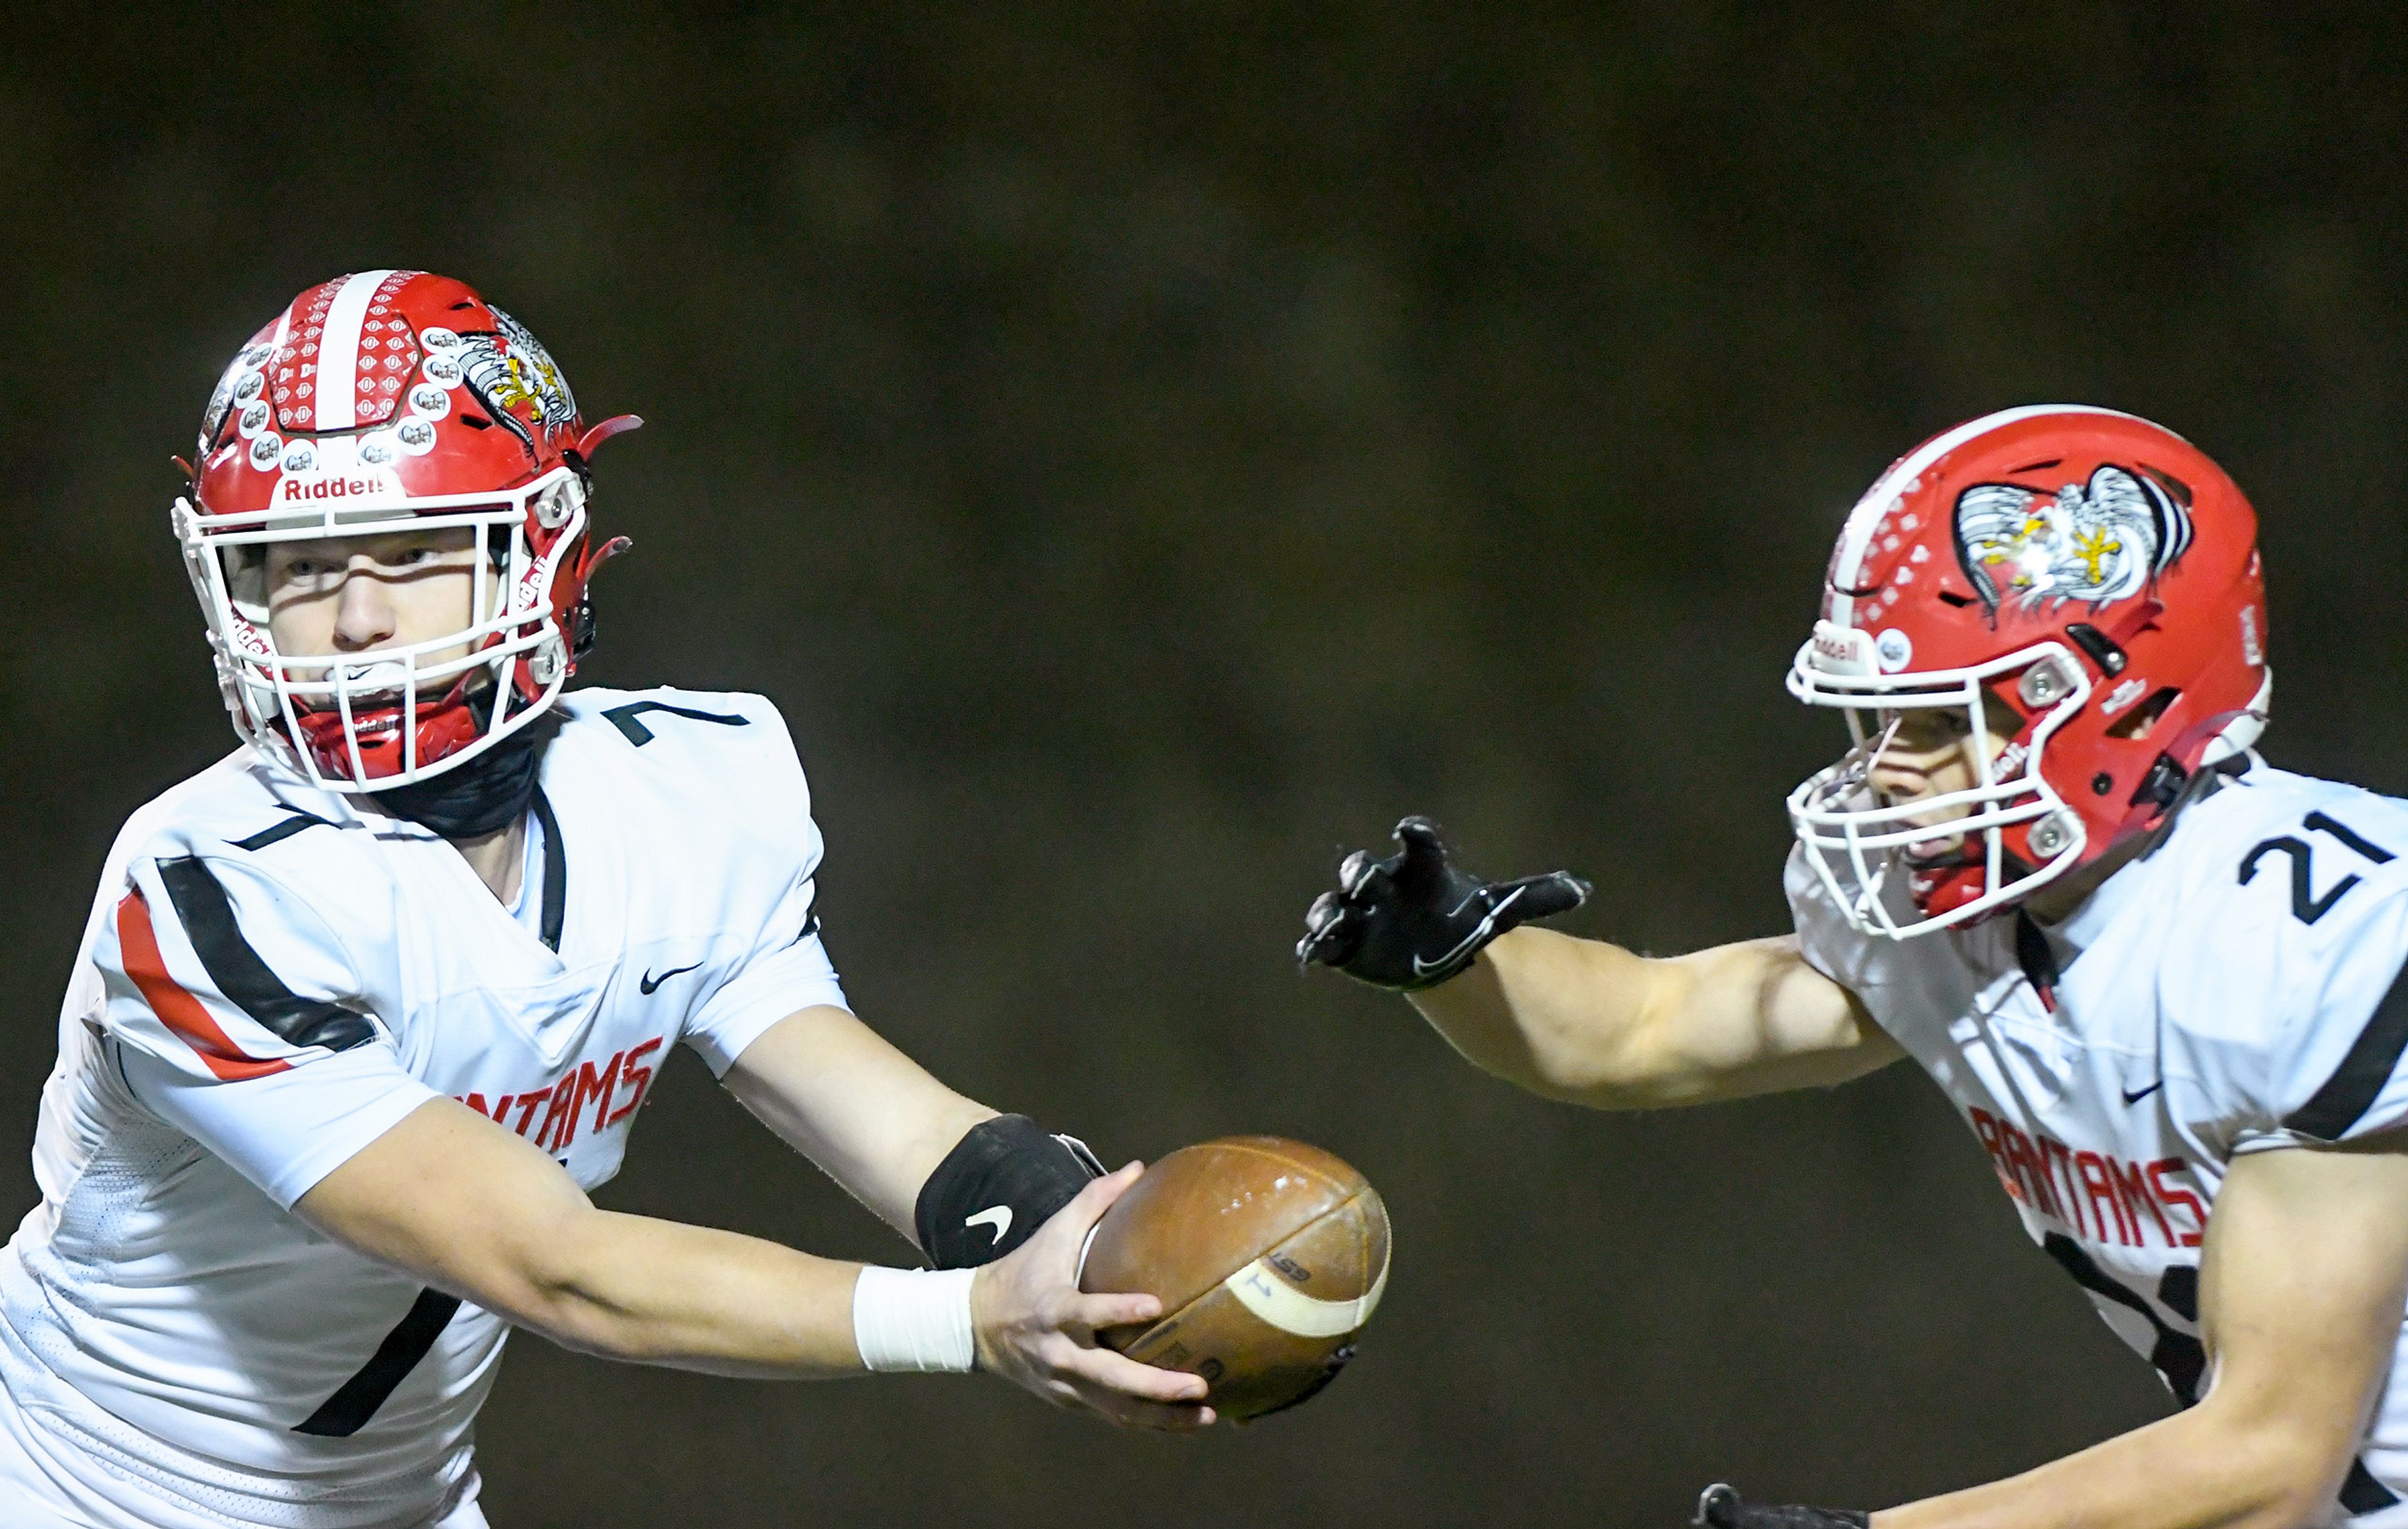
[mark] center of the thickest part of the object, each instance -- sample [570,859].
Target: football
[1267,1255]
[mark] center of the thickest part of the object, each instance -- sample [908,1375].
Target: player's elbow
[2275,1472]
[554,1279]
[2293,1500]
[2301,1486]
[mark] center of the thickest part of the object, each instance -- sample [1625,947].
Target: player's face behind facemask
[1936,754]
[397,591]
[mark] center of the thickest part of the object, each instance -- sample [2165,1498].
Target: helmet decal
[2100,542]
[507,367]
[340,352]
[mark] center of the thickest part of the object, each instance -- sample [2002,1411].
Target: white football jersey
[273,977]
[2239,989]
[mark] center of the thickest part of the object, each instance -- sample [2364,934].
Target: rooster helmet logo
[2099,541]
[507,366]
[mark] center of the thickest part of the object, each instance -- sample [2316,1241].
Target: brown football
[1268,1256]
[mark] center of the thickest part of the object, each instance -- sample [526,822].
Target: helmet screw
[543,665]
[2043,684]
[2049,836]
[2101,783]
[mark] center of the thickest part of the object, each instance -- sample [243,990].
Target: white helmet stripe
[1847,568]
[339,352]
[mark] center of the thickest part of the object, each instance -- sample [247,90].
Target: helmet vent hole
[1953,598]
[2098,645]
[2035,467]
[476,421]
[2175,486]
[2135,725]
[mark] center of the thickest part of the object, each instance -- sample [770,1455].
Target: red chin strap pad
[1943,888]
[445,726]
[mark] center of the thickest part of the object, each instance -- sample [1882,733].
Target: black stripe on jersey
[555,872]
[2351,1091]
[2181,1358]
[2360,1493]
[285,830]
[357,1399]
[208,917]
[625,719]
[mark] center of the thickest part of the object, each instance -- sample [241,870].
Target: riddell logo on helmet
[1844,649]
[295,488]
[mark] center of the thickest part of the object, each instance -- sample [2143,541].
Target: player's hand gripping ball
[1268,1256]
[1415,918]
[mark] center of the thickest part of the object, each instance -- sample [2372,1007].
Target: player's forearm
[691,1297]
[1593,1024]
[2199,1469]
[870,1117]
[1559,1016]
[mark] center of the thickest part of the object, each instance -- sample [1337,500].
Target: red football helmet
[2099,578]
[380,402]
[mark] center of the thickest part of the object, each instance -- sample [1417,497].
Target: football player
[365,1010]
[2158,977]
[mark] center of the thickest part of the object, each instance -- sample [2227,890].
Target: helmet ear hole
[2135,725]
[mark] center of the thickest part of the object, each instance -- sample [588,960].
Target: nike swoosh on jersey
[998,1217]
[2133,1096]
[650,982]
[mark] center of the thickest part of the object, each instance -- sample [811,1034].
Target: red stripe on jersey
[179,1010]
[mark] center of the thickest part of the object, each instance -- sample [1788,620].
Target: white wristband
[914,1319]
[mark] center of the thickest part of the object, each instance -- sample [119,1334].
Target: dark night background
[1146,449]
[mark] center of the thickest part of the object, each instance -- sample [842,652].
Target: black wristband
[1001,1181]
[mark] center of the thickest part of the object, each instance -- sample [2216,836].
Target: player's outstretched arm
[1590,1022]
[1580,1019]
[2303,1282]
[457,1201]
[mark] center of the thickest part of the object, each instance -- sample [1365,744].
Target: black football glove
[1414,919]
[1721,1508]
